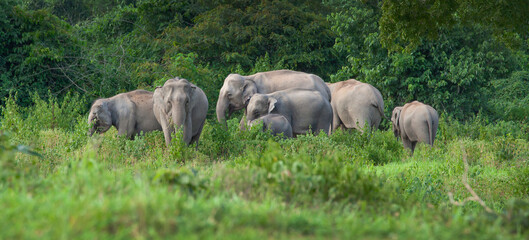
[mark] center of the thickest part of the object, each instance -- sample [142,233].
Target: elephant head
[174,101]
[234,95]
[100,117]
[259,105]
[395,120]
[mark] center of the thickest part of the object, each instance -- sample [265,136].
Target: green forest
[467,59]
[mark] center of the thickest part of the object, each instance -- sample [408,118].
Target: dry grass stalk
[474,196]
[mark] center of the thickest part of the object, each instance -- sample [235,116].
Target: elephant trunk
[91,123]
[91,131]
[222,106]
[178,118]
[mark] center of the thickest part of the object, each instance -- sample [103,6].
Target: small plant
[178,150]
[188,179]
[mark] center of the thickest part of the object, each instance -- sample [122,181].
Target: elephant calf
[276,123]
[304,109]
[131,113]
[415,122]
[356,104]
[182,104]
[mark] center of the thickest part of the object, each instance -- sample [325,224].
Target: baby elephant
[131,113]
[415,122]
[276,123]
[305,110]
[180,104]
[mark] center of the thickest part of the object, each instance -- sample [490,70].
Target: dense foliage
[453,73]
[409,21]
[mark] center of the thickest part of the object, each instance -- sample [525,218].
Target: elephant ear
[158,99]
[103,114]
[248,90]
[396,115]
[271,104]
[192,90]
[104,108]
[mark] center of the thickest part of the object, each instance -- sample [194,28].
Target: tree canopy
[406,22]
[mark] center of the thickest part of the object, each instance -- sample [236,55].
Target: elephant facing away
[276,123]
[356,104]
[131,113]
[181,104]
[415,122]
[237,89]
[304,109]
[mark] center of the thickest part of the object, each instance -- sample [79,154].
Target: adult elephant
[131,113]
[237,89]
[356,104]
[180,104]
[415,122]
[304,109]
[277,124]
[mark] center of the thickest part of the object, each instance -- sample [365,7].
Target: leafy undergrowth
[248,184]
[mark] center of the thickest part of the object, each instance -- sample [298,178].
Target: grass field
[247,185]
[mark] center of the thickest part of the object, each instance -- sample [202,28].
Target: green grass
[249,185]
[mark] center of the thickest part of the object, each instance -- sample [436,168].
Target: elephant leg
[126,128]
[413,144]
[406,142]
[336,122]
[197,136]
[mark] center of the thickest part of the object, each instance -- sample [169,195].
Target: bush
[26,122]
[226,141]
[302,177]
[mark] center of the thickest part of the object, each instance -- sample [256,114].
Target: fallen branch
[475,196]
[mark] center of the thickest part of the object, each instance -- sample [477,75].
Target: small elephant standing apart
[356,104]
[276,123]
[237,89]
[182,104]
[415,122]
[304,109]
[131,113]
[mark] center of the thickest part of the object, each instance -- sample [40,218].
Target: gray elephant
[237,89]
[356,104]
[276,123]
[131,113]
[415,122]
[304,109]
[182,104]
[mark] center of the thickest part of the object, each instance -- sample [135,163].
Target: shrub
[310,179]
[188,179]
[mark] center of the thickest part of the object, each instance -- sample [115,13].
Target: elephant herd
[286,102]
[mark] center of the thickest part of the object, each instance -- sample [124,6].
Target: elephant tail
[380,110]
[430,128]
